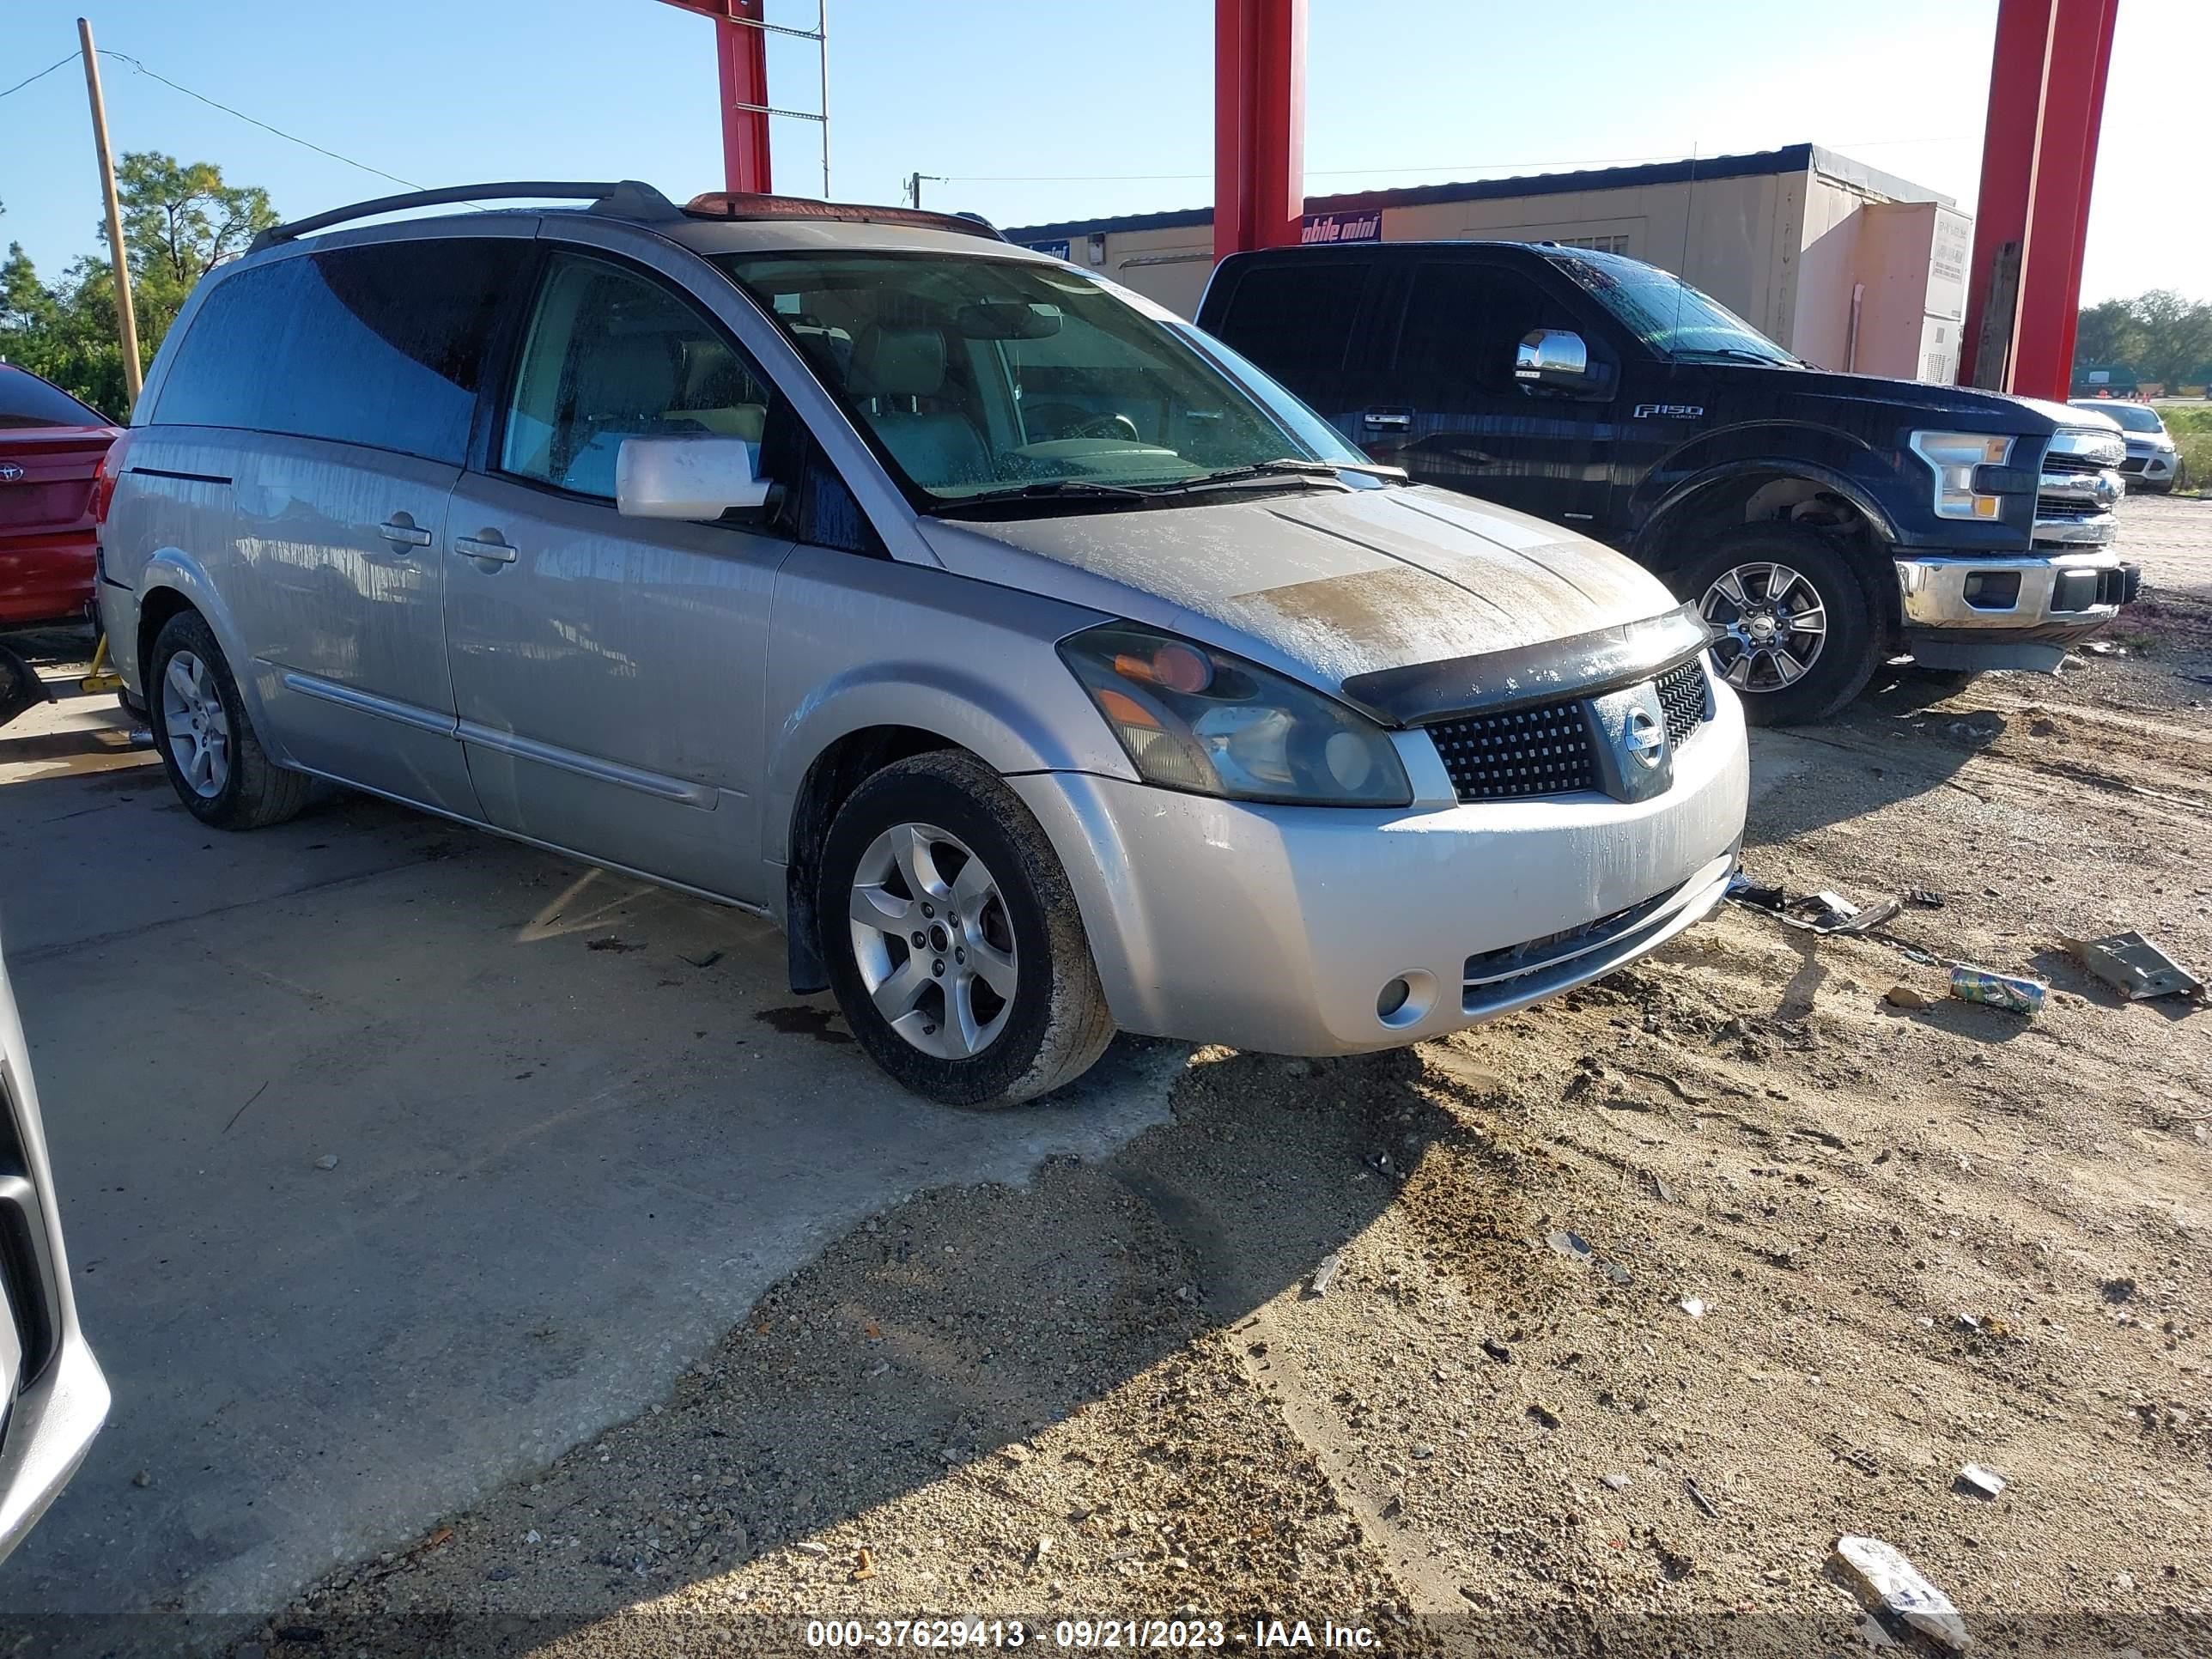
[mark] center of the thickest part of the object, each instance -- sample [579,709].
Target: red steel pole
[2010,142]
[1259,123]
[742,54]
[2051,268]
[2099,77]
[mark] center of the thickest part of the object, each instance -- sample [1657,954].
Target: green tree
[179,221]
[2162,335]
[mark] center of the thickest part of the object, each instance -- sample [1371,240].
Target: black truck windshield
[979,376]
[1667,313]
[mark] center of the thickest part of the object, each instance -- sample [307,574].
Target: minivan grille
[1524,753]
[1682,698]
[1544,750]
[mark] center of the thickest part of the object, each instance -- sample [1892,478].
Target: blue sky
[1041,111]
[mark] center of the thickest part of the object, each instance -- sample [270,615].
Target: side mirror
[1553,357]
[699,478]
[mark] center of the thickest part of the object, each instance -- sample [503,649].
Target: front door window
[612,356]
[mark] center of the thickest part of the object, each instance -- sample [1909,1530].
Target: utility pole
[914,182]
[126,318]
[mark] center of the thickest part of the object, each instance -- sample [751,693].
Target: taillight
[103,480]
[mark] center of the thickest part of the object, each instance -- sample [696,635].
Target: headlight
[1203,722]
[1954,455]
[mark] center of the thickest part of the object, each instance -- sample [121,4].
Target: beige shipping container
[1847,266]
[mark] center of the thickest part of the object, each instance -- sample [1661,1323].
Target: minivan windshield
[976,378]
[2132,417]
[1667,313]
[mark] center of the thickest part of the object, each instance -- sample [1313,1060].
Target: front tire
[1798,628]
[208,747]
[953,939]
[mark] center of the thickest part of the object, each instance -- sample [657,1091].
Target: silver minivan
[1039,666]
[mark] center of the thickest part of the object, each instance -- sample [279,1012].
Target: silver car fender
[177,571]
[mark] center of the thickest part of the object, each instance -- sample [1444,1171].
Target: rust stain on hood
[1331,583]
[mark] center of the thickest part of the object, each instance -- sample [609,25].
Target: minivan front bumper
[1292,930]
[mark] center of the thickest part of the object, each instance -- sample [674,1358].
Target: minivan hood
[1322,585]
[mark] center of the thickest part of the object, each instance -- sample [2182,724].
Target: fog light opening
[1406,1000]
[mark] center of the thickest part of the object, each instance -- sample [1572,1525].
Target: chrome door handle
[1396,421]
[475,547]
[401,533]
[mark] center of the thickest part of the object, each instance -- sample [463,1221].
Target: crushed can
[2023,996]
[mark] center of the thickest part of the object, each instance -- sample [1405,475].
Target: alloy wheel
[196,725]
[1772,621]
[933,941]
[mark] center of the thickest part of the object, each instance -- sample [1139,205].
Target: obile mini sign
[1341,228]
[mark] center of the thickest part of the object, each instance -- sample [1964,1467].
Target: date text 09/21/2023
[1083,1634]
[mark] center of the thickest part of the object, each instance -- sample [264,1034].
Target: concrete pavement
[579,1126]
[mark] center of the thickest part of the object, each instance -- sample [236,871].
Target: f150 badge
[1669,412]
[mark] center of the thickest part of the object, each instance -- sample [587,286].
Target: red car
[50,447]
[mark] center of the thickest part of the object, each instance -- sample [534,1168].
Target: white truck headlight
[1952,457]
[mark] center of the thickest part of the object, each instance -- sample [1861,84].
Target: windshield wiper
[1046,490]
[1740,355]
[1287,466]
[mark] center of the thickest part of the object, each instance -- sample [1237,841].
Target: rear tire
[1800,642]
[937,848]
[208,747]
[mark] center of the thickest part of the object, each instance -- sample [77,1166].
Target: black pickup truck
[1824,522]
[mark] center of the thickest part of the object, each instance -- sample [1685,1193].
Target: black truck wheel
[1796,629]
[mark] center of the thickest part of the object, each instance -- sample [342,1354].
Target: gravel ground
[1632,1304]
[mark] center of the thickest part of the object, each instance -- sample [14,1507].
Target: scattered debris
[1699,1497]
[1983,1483]
[1694,1306]
[706,960]
[2117,1290]
[533,1536]
[2134,967]
[1903,996]
[1815,913]
[1926,898]
[864,1565]
[327,1161]
[1543,1415]
[141,1479]
[1497,1350]
[808,1547]
[1985,985]
[2104,649]
[611,943]
[1889,1582]
[1618,1482]
[1325,1272]
[1573,1246]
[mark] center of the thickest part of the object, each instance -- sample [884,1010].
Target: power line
[41,75]
[1448,167]
[125,58]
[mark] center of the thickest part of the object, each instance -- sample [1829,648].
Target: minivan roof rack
[625,198]
[740,205]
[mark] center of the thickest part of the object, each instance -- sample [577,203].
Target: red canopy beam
[1259,123]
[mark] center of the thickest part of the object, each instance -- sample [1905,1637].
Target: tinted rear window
[27,401]
[381,345]
[1295,320]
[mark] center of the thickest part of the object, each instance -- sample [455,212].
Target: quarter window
[611,356]
[380,345]
[1296,319]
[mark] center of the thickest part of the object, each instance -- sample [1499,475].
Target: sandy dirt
[1638,1301]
